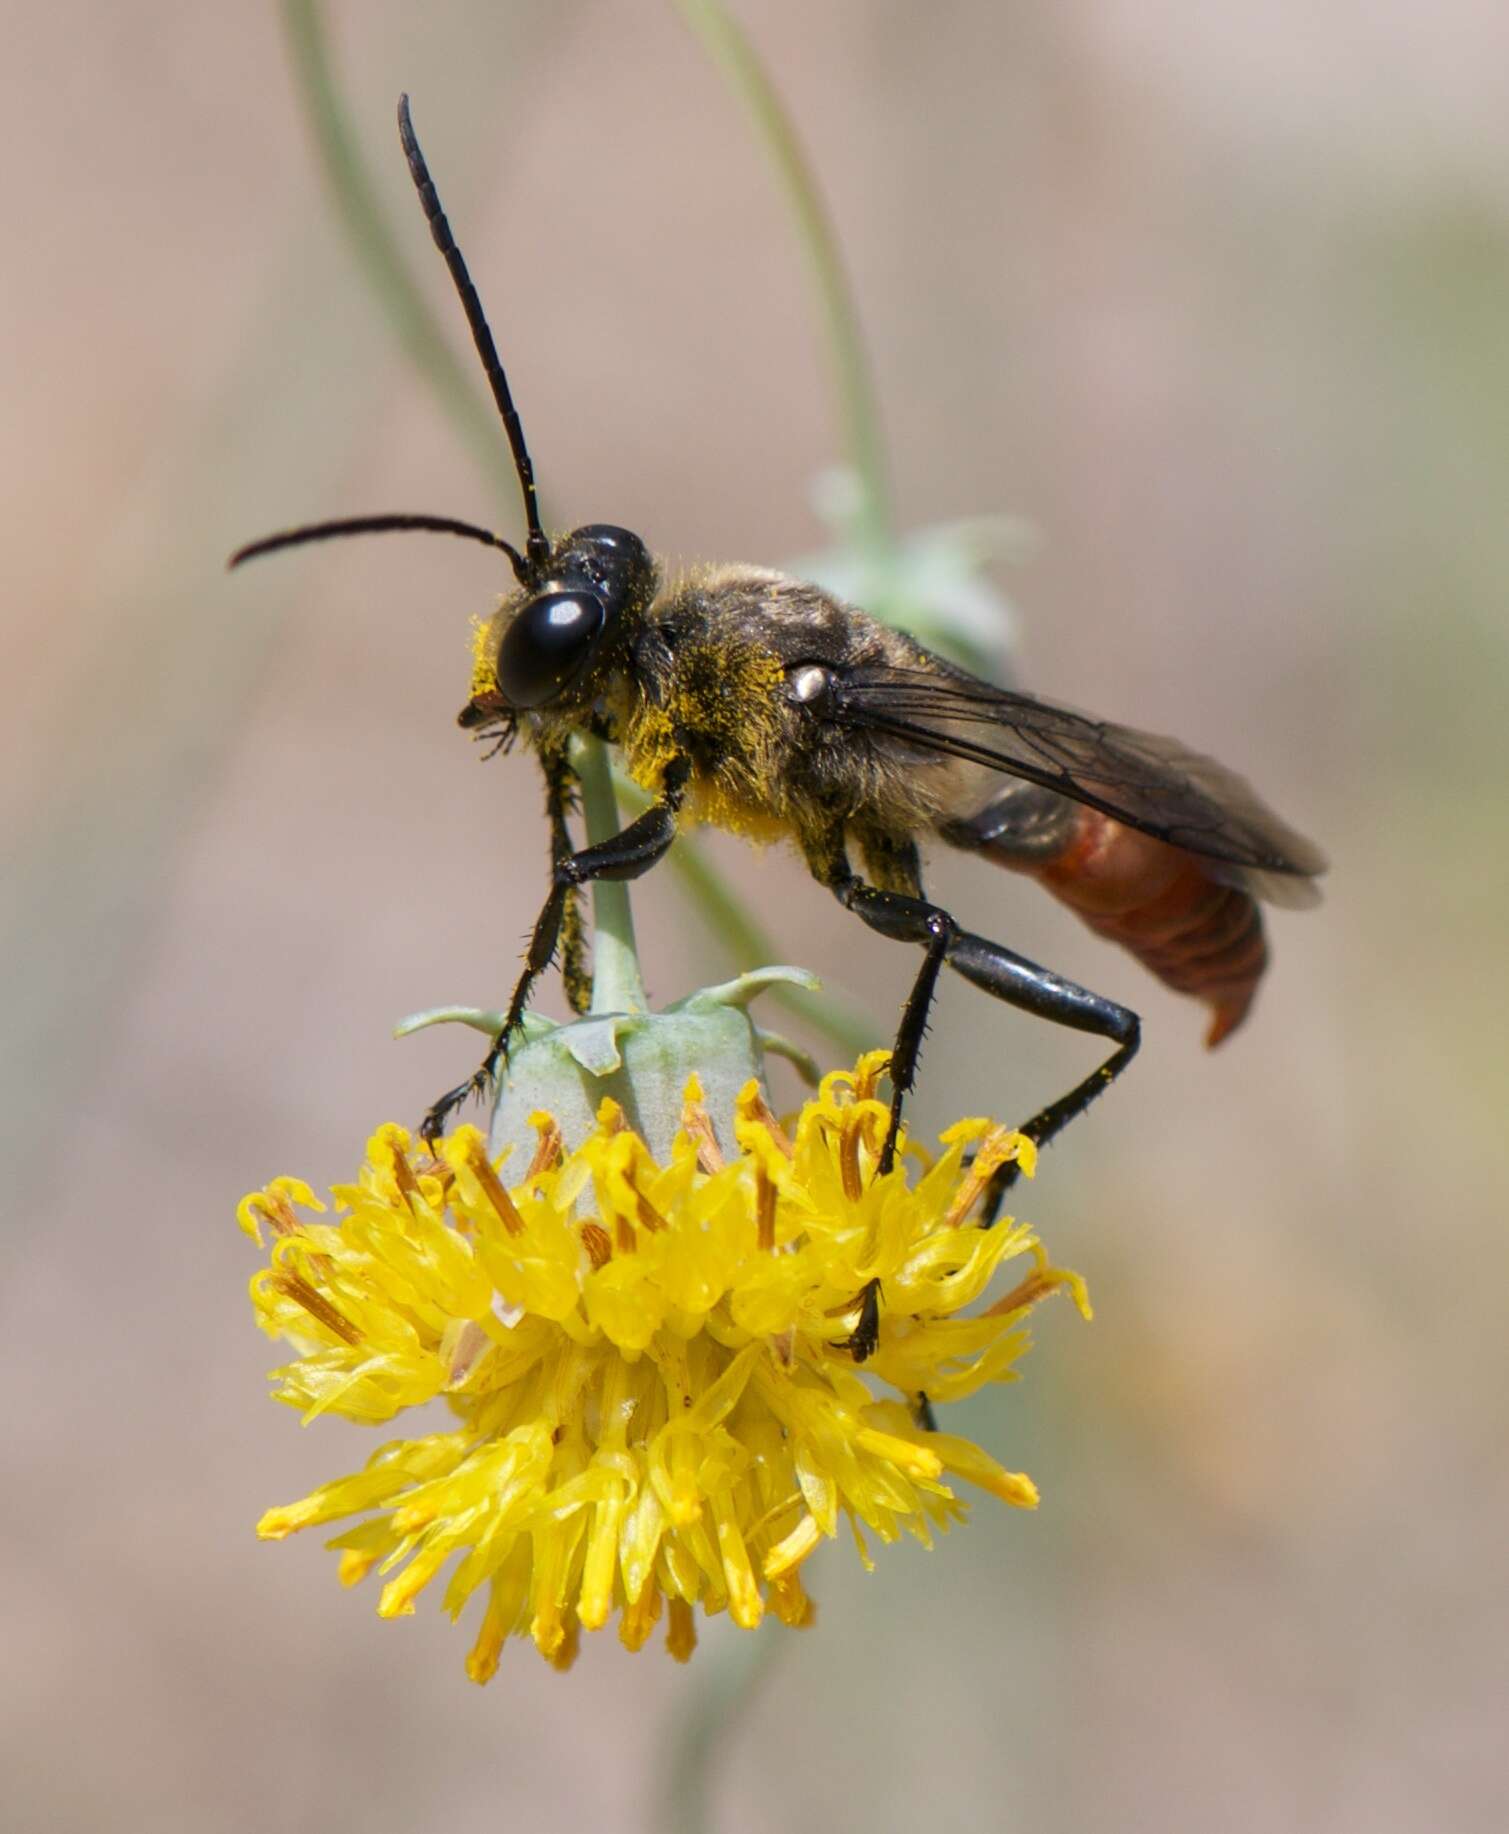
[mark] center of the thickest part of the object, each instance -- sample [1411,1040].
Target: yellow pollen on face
[484,657]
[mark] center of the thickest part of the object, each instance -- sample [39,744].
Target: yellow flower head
[653,1367]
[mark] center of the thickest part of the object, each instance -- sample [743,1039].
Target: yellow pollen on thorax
[724,700]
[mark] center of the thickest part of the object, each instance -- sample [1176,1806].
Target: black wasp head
[554,636]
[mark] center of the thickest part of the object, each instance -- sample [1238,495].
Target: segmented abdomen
[1197,935]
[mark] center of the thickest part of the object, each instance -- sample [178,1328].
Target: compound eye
[546,645]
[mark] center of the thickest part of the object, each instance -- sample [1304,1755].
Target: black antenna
[538,545]
[377,525]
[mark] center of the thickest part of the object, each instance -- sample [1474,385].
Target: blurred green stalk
[858,412]
[730,1672]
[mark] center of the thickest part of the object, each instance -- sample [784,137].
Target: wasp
[758,702]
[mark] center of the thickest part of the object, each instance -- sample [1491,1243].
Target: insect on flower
[758,702]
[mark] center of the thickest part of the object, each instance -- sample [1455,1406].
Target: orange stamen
[316,1305]
[549,1149]
[493,1190]
[598,1244]
[998,1146]
[697,1125]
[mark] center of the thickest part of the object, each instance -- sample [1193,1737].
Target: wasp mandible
[758,702]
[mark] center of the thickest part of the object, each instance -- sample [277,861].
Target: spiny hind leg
[1019,982]
[560,802]
[906,917]
[999,971]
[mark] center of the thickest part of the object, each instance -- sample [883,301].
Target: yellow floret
[657,1403]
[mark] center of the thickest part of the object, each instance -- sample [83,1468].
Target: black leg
[863,1339]
[623,856]
[907,919]
[938,935]
[1001,972]
[560,801]
[1013,978]
[1055,1117]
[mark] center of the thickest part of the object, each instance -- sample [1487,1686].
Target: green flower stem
[750,943]
[859,415]
[616,983]
[731,1672]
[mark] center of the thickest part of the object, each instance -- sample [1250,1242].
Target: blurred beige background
[1217,298]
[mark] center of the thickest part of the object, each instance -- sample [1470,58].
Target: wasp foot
[863,1341]
[438,1115]
[1001,1181]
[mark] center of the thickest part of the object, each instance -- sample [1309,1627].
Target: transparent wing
[1151,783]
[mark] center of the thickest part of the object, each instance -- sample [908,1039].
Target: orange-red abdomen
[1198,935]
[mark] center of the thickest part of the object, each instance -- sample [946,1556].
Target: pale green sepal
[643,1061]
[477,1017]
[593,1041]
[741,990]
